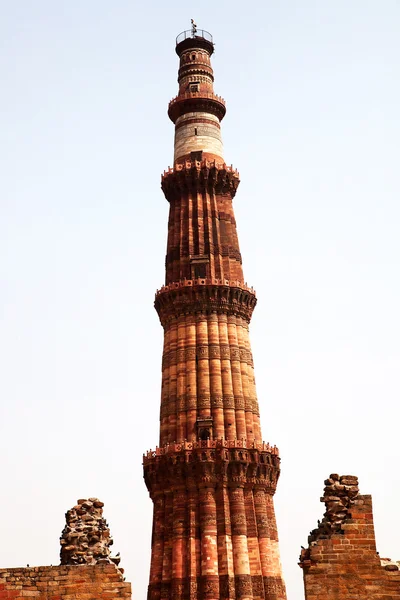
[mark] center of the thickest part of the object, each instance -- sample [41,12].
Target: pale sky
[313,126]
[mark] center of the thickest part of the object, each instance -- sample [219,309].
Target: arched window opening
[204,434]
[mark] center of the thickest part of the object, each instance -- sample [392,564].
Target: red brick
[353,569]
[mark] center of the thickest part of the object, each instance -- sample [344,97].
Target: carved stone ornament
[209,462]
[199,177]
[187,297]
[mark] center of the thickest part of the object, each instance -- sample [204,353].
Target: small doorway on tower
[205,428]
[199,266]
[194,87]
[197,155]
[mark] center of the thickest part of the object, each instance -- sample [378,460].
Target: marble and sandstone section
[197,111]
[197,131]
[86,537]
[341,561]
[72,582]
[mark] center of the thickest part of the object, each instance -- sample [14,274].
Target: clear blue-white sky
[313,126]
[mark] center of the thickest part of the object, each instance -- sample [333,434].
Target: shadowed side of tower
[212,478]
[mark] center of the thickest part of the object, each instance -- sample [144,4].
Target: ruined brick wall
[86,582]
[341,561]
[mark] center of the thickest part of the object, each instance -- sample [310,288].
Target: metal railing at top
[199,33]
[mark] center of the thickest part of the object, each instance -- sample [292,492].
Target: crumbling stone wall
[86,582]
[87,570]
[86,537]
[341,561]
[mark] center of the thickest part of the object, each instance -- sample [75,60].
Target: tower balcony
[187,446]
[198,39]
[221,462]
[191,296]
[201,175]
[185,283]
[196,102]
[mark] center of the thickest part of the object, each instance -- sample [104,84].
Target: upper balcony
[196,101]
[194,39]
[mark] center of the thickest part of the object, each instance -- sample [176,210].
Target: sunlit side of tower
[212,478]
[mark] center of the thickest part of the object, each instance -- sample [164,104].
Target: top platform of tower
[199,39]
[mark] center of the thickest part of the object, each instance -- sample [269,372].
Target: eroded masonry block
[341,561]
[86,537]
[87,570]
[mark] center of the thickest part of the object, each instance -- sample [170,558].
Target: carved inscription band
[223,587]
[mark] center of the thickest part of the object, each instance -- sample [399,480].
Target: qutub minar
[212,478]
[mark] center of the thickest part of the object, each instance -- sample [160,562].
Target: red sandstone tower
[212,478]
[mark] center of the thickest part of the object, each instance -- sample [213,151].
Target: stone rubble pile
[339,495]
[86,538]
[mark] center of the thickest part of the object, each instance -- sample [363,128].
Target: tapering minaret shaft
[202,236]
[212,478]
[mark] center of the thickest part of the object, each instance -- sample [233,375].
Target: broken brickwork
[341,561]
[87,570]
[86,537]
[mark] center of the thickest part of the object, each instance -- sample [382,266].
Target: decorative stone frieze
[205,296]
[225,462]
[199,177]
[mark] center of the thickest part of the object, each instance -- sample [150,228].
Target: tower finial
[194,27]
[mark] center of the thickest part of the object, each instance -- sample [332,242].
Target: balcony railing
[199,33]
[201,95]
[220,443]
